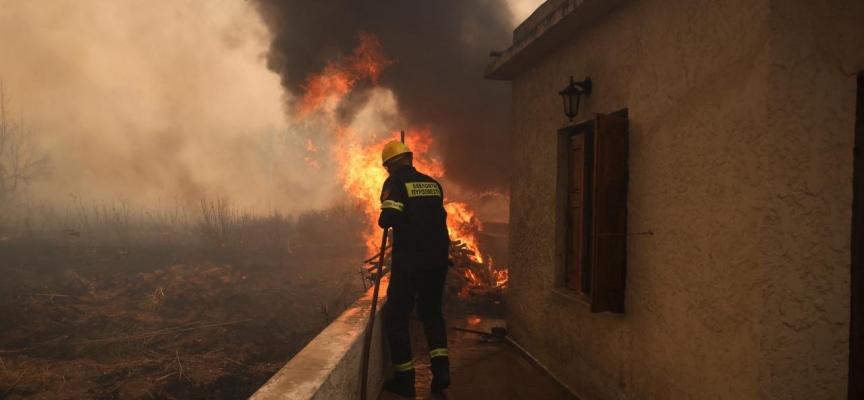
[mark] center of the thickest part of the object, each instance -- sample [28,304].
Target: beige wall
[817,49]
[742,291]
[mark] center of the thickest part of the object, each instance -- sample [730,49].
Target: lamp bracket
[585,86]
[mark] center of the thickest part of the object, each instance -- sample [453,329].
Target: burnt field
[169,309]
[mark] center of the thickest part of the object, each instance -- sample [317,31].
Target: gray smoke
[440,49]
[152,102]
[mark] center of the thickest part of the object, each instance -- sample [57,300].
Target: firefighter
[413,205]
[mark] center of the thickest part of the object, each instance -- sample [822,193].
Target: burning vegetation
[125,296]
[360,169]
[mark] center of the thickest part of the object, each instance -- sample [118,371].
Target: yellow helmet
[393,149]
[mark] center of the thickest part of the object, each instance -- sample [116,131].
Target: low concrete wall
[329,367]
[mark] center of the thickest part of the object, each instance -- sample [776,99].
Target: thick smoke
[156,101]
[153,101]
[440,49]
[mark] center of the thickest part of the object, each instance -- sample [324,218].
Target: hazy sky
[150,99]
[157,99]
[523,8]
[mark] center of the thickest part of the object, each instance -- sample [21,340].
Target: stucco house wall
[817,49]
[741,170]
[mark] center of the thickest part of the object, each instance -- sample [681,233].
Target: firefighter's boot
[440,373]
[402,383]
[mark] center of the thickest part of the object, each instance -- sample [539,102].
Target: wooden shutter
[576,213]
[609,214]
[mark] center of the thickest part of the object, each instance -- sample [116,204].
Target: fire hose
[367,341]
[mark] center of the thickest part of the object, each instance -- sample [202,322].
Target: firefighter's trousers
[425,286]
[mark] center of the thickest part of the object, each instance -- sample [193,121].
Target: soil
[159,321]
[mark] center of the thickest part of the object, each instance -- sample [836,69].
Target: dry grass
[216,223]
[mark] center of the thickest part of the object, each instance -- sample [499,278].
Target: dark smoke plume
[440,49]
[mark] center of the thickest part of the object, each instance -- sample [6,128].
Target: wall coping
[329,366]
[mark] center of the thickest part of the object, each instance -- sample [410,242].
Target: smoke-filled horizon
[174,100]
[151,102]
[439,50]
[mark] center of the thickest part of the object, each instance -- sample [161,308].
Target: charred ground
[208,312]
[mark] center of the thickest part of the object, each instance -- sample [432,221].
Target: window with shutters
[594,235]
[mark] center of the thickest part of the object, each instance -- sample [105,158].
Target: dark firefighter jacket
[413,205]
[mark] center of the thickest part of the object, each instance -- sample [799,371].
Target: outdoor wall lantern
[572,94]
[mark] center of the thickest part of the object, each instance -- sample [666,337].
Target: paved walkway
[481,368]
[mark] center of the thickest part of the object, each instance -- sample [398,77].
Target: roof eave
[550,26]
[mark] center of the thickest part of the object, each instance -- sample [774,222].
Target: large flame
[463,225]
[338,78]
[357,152]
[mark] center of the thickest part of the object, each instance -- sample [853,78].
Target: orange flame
[311,160]
[357,154]
[463,226]
[471,277]
[310,147]
[336,81]
[501,277]
[363,176]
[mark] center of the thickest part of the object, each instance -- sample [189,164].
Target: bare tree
[20,163]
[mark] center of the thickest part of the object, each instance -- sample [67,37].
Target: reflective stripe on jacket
[412,204]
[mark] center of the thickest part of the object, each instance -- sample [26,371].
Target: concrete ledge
[329,366]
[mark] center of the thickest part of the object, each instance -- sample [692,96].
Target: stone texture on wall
[817,50]
[742,291]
